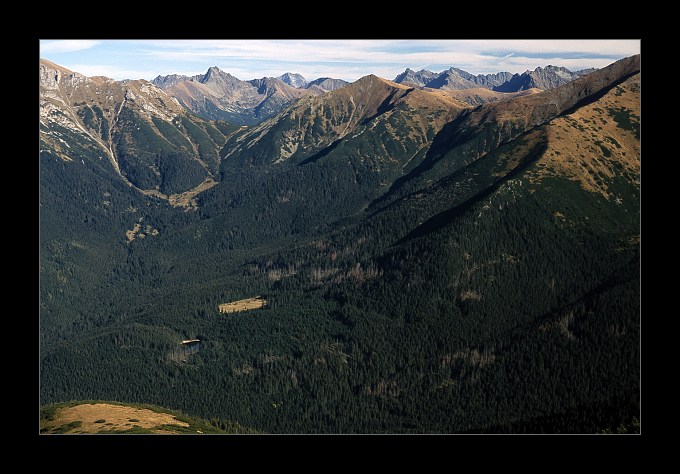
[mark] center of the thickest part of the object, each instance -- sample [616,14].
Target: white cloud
[380,50]
[66,46]
[350,59]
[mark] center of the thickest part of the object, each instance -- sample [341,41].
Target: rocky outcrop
[52,75]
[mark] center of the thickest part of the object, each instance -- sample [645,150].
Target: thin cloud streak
[67,46]
[479,57]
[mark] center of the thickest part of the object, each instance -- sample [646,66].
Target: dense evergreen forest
[470,298]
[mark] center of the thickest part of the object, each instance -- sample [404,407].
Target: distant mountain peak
[294,80]
[544,78]
[420,78]
[215,73]
[327,84]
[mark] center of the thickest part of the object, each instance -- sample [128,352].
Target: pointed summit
[294,80]
[213,73]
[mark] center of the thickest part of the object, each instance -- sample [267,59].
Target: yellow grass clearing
[187,199]
[116,417]
[243,305]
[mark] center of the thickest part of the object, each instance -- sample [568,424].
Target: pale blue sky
[342,59]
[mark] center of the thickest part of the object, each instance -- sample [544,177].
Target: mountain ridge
[219,95]
[453,78]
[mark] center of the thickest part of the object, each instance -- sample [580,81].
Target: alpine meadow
[443,252]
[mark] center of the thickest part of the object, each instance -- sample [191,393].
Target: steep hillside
[597,145]
[130,128]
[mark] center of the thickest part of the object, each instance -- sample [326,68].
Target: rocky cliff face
[53,76]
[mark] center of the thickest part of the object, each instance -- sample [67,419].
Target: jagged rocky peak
[214,74]
[452,79]
[420,78]
[545,78]
[294,80]
[556,70]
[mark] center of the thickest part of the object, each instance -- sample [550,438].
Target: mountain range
[217,95]
[221,96]
[408,256]
[454,78]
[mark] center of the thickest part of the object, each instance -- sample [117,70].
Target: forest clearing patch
[243,305]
